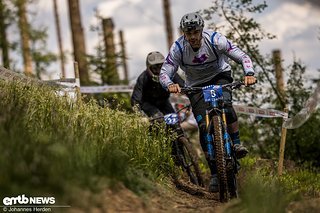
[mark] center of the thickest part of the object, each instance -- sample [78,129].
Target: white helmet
[154,62]
[154,58]
[191,21]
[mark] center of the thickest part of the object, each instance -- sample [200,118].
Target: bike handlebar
[177,112]
[232,86]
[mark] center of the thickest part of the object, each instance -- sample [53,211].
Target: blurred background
[145,26]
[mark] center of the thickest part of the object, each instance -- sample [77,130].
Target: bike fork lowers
[226,136]
[209,139]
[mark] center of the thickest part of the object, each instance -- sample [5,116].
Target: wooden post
[279,76]
[282,147]
[77,77]
[167,18]
[280,88]
[124,58]
[61,55]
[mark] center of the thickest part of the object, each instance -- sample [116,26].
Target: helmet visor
[155,69]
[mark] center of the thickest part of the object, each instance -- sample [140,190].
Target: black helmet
[191,21]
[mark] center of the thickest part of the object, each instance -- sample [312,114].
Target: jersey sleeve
[235,53]
[170,66]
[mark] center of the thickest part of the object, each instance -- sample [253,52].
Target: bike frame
[185,152]
[213,94]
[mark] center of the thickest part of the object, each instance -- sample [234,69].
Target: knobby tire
[191,162]
[220,158]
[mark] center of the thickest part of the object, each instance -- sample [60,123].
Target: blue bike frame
[213,94]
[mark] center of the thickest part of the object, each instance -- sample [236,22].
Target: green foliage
[263,194]
[264,191]
[7,20]
[49,144]
[41,56]
[303,143]
[120,101]
[103,62]
[304,181]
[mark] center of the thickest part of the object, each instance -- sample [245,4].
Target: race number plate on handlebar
[171,118]
[212,93]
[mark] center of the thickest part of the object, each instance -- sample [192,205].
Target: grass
[264,191]
[49,143]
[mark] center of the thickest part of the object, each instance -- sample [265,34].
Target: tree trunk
[57,21]
[25,39]
[167,18]
[3,37]
[124,58]
[110,76]
[79,49]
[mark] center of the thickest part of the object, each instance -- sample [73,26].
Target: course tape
[312,104]
[259,112]
[103,89]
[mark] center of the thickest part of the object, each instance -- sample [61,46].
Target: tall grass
[49,143]
[264,191]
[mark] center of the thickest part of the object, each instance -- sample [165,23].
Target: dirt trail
[185,197]
[180,196]
[176,196]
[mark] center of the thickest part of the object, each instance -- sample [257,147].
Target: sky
[295,23]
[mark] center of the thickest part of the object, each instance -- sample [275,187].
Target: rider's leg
[214,183]
[233,130]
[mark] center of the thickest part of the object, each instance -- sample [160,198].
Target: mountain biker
[148,94]
[203,56]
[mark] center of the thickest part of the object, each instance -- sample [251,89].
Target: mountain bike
[183,153]
[219,143]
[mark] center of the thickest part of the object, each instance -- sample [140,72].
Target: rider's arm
[235,53]
[170,67]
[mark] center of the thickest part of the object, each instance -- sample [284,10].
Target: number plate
[212,93]
[171,119]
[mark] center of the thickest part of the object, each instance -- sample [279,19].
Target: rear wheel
[190,162]
[220,157]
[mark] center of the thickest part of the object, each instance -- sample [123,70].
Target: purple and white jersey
[208,61]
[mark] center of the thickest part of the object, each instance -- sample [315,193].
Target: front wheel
[220,157]
[190,162]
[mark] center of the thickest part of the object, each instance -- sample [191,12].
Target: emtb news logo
[23,200]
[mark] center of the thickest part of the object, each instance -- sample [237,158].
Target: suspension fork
[226,136]
[209,138]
